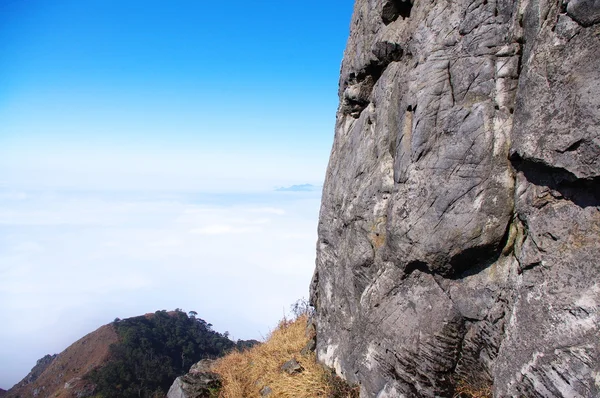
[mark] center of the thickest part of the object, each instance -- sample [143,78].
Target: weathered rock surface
[199,382]
[459,235]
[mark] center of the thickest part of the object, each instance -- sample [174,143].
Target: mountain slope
[134,357]
[153,351]
[62,375]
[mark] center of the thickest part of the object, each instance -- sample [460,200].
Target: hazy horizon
[239,260]
[157,156]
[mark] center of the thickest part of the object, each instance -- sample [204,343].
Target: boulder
[200,382]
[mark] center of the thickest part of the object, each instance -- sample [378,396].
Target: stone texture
[266,391]
[459,235]
[199,382]
[586,12]
[291,367]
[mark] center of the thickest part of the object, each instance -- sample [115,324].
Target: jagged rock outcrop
[459,235]
[199,382]
[40,366]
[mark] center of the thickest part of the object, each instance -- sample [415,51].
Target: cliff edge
[459,234]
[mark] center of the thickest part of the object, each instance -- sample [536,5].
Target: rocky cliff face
[459,236]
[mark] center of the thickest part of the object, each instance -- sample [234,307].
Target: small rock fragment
[292,367]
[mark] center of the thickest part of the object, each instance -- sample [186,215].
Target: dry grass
[245,373]
[469,390]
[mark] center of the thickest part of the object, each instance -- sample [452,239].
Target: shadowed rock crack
[357,95]
[562,183]
[393,9]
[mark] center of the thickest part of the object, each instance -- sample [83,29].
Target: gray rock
[203,366]
[200,382]
[460,221]
[586,12]
[292,367]
[266,391]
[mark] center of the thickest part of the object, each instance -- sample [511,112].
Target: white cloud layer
[72,261]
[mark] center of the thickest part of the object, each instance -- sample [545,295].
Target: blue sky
[186,79]
[146,139]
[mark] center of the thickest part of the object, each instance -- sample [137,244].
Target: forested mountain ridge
[153,350]
[134,357]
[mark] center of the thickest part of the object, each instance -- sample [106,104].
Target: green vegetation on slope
[153,350]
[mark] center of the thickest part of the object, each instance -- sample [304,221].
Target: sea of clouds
[71,261]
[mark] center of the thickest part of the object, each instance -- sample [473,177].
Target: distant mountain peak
[298,188]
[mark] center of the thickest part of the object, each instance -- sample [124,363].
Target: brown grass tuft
[245,373]
[470,390]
